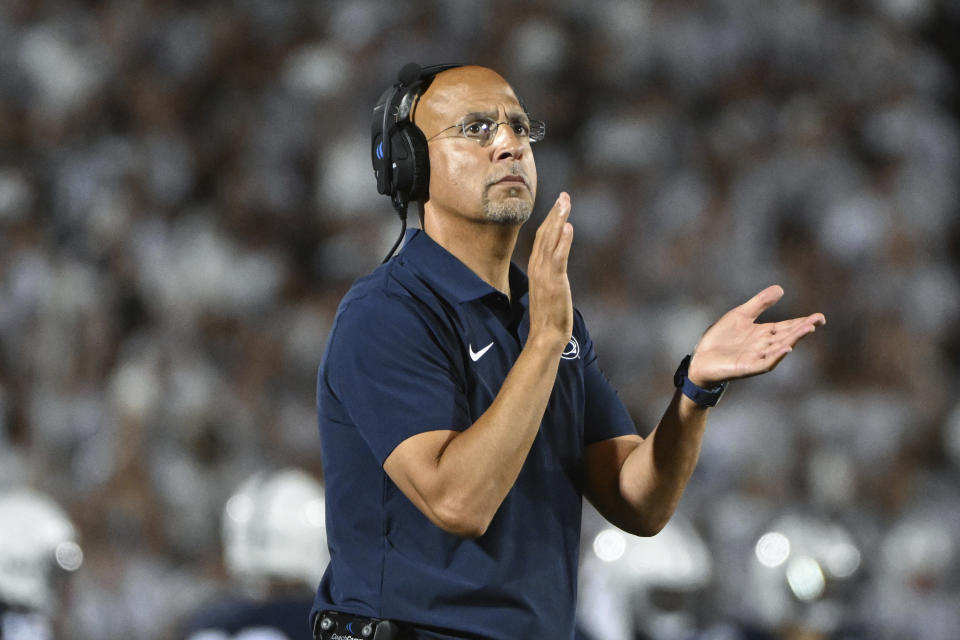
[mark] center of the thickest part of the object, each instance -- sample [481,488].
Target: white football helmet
[37,540]
[802,564]
[624,579]
[274,527]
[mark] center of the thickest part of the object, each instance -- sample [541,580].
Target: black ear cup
[412,163]
[379,154]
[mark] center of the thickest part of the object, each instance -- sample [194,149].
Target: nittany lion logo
[572,350]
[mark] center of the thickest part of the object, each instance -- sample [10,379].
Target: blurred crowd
[186,193]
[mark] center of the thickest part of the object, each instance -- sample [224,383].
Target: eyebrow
[493,115]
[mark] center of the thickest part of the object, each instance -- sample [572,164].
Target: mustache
[514,170]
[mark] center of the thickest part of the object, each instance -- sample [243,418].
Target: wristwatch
[703,397]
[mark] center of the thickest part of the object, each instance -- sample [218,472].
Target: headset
[398,147]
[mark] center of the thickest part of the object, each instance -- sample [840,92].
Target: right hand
[551,305]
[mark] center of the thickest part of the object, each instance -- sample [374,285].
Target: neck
[486,248]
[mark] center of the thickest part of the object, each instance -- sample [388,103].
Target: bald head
[455,92]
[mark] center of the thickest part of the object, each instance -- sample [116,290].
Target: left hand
[736,346]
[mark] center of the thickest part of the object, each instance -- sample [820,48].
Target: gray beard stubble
[513,211]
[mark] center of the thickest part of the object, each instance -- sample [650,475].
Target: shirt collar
[431,262]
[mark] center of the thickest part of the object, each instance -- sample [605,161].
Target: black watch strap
[703,397]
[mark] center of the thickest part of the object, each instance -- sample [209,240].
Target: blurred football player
[801,578]
[634,587]
[38,549]
[275,550]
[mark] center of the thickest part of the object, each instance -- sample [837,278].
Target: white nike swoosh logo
[476,355]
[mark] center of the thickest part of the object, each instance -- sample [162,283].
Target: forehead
[456,92]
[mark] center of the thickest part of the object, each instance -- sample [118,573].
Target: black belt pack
[333,625]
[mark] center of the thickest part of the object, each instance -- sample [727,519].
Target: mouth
[513,180]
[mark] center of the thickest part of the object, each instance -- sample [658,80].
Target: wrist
[704,395]
[548,342]
[695,376]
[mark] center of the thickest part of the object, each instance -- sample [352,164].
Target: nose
[507,144]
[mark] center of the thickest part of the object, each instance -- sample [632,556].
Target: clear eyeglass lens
[484,129]
[480,130]
[537,131]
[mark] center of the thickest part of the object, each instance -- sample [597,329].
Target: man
[462,411]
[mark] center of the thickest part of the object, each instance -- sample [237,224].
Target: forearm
[477,468]
[637,483]
[460,479]
[655,474]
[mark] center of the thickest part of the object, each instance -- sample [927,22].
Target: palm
[736,346]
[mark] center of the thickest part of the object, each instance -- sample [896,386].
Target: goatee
[511,211]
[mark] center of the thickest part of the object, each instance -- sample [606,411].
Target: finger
[551,219]
[782,334]
[784,326]
[762,301]
[792,337]
[558,218]
[549,231]
[772,354]
[773,358]
[562,252]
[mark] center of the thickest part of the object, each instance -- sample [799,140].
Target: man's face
[495,182]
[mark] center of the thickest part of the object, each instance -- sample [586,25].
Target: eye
[477,128]
[521,129]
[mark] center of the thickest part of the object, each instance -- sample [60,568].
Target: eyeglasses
[484,130]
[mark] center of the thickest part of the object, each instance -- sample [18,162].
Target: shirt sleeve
[605,415]
[391,366]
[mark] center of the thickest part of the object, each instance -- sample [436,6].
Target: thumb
[762,301]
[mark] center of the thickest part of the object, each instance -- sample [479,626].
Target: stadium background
[185,194]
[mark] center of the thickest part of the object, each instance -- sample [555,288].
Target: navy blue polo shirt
[423,344]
